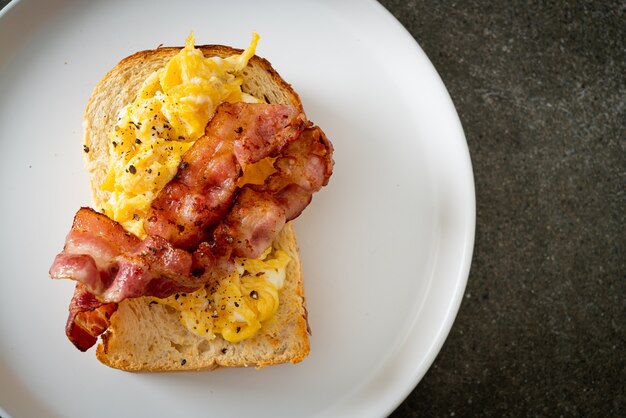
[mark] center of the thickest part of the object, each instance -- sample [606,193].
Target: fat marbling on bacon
[201,220]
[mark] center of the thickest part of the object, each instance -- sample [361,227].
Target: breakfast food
[199,159]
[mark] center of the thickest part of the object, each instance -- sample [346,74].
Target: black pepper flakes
[135,217]
[137,141]
[254,295]
[132,169]
[183,362]
[238,329]
[85,148]
[223,350]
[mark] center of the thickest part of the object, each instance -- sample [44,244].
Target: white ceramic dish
[386,246]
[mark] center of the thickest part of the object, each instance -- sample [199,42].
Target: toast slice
[150,337]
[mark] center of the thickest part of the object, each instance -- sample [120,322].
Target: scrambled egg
[170,112]
[239,304]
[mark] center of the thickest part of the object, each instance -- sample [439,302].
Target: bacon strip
[261,211]
[204,187]
[303,169]
[115,265]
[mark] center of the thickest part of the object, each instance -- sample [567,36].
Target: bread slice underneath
[150,337]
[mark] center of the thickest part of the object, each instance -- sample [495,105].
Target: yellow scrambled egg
[239,304]
[169,113]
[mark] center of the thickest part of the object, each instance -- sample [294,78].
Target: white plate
[386,246]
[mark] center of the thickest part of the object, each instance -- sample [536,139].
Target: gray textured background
[540,88]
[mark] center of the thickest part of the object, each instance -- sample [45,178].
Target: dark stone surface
[540,88]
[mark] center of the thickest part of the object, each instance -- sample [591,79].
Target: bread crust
[146,337]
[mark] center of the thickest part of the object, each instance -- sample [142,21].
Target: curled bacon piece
[88,318]
[114,265]
[201,220]
[111,265]
[302,169]
[260,211]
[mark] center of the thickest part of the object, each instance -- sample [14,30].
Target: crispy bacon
[203,190]
[261,211]
[251,225]
[114,265]
[201,220]
[303,169]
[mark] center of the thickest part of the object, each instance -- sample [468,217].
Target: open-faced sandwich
[199,158]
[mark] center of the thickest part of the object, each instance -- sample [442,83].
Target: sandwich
[199,159]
